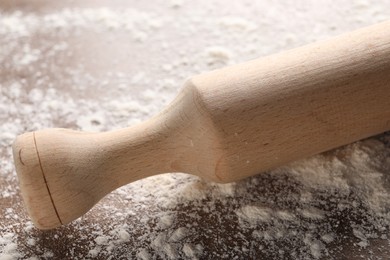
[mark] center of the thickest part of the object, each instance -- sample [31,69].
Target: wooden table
[74,74]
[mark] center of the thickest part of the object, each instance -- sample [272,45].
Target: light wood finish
[225,125]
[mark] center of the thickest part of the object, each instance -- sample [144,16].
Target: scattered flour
[102,240]
[9,247]
[143,254]
[192,251]
[254,214]
[237,23]
[312,209]
[179,234]
[166,221]
[217,54]
[94,252]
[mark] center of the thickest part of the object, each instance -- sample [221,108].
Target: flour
[166,221]
[317,208]
[312,213]
[94,252]
[328,238]
[238,24]
[192,251]
[123,235]
[101,240]
[179,234]
[143,254]
[8,246]
[254,214]
[217,54]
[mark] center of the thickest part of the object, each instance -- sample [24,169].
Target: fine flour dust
[330,206]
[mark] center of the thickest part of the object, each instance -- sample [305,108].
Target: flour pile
[332,206]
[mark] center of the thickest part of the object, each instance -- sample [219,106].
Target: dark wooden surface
[91,55]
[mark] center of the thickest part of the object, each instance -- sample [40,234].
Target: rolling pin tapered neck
[62,166]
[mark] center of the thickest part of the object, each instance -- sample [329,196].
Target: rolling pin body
[224,125]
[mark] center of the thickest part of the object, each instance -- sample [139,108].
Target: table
[103,65]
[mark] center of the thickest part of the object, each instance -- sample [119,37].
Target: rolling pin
[224,125]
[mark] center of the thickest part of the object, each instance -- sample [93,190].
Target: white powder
[327,238]
[47,254]
[159,241]
[254,214]
[143,254]
[315,208]
[101,240]
[217,54]
[179,234]
[170,251]
[94,122]
[285,215]
[123,235]
[166,221]
[226,189]
[31,241]
[237,23]
[8,247]
[192,251]
[315,249]
[94,252]
[312,213]
[176,3]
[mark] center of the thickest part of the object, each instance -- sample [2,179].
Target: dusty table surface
[102,65]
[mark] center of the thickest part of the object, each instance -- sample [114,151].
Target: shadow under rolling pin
[224,125]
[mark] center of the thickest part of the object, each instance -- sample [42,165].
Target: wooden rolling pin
[224,125]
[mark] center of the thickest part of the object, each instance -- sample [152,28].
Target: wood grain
[225,125]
